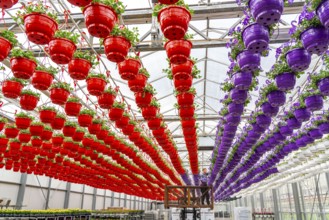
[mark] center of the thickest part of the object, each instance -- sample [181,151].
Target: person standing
[204,184]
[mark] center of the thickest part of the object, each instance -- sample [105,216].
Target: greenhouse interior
[164,109]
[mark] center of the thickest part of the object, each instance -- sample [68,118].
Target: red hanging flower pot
[59,96]
[80,3]
[57,140]
[39,28]
[22,123]
[138,83]
[3,143]
[186,113]
[154,123]
[168,2]
[58,123]
[79,68]
[36,130]
[46,135]
[61,50]
[100,19]
[178,51]
[11,89]
[123,122]
[96,85]
[28,102]
[72,107]
[41,80]
[116,48]
[2,125]
[115,114]
[182,71]
[174,22]
[22,68]
[183,85]
[106,100]
[69,131]
[24,137]
[128,129]
[84,119]
[5,4]
[128,69]
[185,99]
[5,47]
[78,136]
[47,116]
[94,128]
[188,124]
[11,132]
[143,99]
[149,112]
[102,134]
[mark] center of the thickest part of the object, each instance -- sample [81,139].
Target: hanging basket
[28,102]
[186,113]
[149,112]
[122,122]
[242,80]
[36,130]
[22,123]
[94,128]
[182,71]
[47,116]
[79,68]
[61,50]
[178,51]
[59,96]
[138,83]
[115,114]
[116,48]
[302,114]
[22,68]
[5,47]
[72,108]
[68,131]
[285,81]
[154,123]
[106,100]
[58,123]
[46,135]
[85,120]
[238,96]
[269,110]
[315,40]
[185,99]
[11,89]
[256,38]
[298,59]
[314,102]
[39,28]
[80,3]
[266,12]
[248,61]
[183,85]
[42,80]
[78,136]
[128,69]
[323,85]
[276,98]
[174,22]
[96,86]
[168,2]
[5,4]
[323,13]
[235,109]
[100,19]
[143,99]
[11,132]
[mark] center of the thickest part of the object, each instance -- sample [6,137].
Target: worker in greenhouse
[204,184]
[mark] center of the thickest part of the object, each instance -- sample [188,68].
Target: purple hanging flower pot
[266,12]
[302,114]
[276,98]
[323,13]
[324,86]
[232,120]
[268,110]
[286,130]
[293,123]
[256,38]
[315,40]
[298,59]
[273,142]
[229,128]
[285,81]
[235,109]
[248,61]
[256,128]
[279,137]
[314,102]
[315,133]
[239,96]
[324,128]
[307,139]
[263,121]
[242,80]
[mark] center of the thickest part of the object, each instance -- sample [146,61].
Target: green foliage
[306,24]
[149,88]
[315,79]
[86,55]
[314,4]
[116,5]
[3,120]
[18,53]
[269,88]
[97,121]
[48,108]
[307,94]
[10,126]
[227,86]
[20,81]
[61,85]
[191,91]
[120,105]
[87,112]
[47,128]
[80,130]
[130,35]
[73,99]
[71,124]
[154,103]
[60,115]
[30,92]
[15,140]
[38,7]
[67,35]
[24,132]
[37,123]
[10,36]
[158,7]
[223,112]
[51,70]
[144,72]
[279,68]
[188,36]
[23,115]
[109,90]
[97,75]
[59,135]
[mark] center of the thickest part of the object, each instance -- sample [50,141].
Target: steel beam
[125,201]
[93,205]
[134,202]
[83,196]
[262,204]
[21,191]
[48,194]
[296,200]
[112,199]
[104,202]
[317,190]
[302,200]
[67,195]
[275,204]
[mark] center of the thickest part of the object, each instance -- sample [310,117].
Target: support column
[125,200]
[316,181]
[93,206]
[104,202]
[253,203]
[296,200]
[135,202]
[261,200]
[275,205]
[48,194]
[67,195]
[112,199]
[83,196]
[302,200]
[21,191]
[245,201]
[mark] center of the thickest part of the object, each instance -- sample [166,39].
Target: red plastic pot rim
[172,6]
[13,58]
[43,15]
[102,5]
[173,41]
[63,39]
[96,78]
[11,46]
[123,38]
